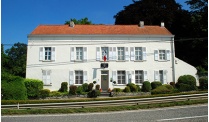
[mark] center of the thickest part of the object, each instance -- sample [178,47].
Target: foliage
[83,21]
[138,87]
[161,90]
[172,84]
[133,87]
[13,87]
[155,84]
[97,87]
[127,89]
[72,90]
[146,86]
[85,87]
[90,86]
[33,87]
[44,93]
[168,86]
[79,90]
[186,83]
[64,86]
[201,71]
[93,93]
[203,83]
[15,61]
[117,90]
[55,94]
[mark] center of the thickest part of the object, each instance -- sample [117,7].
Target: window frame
[107,53]
[139,74]
[140,54]
[121,54]
[79,50]
[80,75]
[162,55]
[46,75]
[120,75]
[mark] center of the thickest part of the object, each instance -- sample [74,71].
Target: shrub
[79,90]
[117,90]
[85,87]
[109,90]
[187,80]
[172,84]
[138,87]
[13,87]
[44,93]
[133,87]
[155,84]
[72,90]
[90,86]
[146,86]
[203,83]
[127,89]
[168,86]
[64,86]
[97,87]
[55,94]
[184,87]
[33,87]
[93,93]
[161,90]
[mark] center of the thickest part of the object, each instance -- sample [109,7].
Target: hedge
[203,83]
[33,87]
[64,87]
[155,84]
[13,87]
[186,83]
[146,86]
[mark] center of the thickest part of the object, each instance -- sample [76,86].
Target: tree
[83,21]
[16,64]
[4,60]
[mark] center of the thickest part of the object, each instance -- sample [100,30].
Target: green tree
[4,60]
[17,59]
[83,21]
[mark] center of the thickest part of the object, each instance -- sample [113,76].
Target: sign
[104,65]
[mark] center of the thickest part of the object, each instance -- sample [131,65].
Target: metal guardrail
[108,102]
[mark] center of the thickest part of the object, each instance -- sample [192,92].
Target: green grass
[99,109]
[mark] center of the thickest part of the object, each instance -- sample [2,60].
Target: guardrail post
[18,106]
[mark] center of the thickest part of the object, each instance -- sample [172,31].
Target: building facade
[106,54]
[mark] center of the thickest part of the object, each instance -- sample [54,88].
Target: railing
[108,102]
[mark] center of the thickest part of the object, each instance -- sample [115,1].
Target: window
[105,52]
[121,77]
[47,53]
[138,53]
[121,53]
[46,77]
[78,77]
[139,76]
[79,53]
[162,55]
[161,76]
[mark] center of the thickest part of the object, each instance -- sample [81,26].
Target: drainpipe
[173,59]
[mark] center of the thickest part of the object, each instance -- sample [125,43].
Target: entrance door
[104,80]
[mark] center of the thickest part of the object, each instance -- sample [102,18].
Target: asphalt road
[194,113]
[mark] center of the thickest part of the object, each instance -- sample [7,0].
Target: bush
[55,94]
[72,90]
[203,83]
[33,87]
[127,89]
[161,90]
[64,86]
[155,84]
[133,87]
[146,86]
[79,90]
[172,84]
[13,87]
[97,87]
[138,87]
[117,90]
[90,86]
[44,93]
[85,87]
[168,86]
[189,81]
[93,93]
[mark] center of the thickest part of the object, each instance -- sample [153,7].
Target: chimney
[141,23]
[162,24]
[72,24]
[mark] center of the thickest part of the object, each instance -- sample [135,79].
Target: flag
[105,58]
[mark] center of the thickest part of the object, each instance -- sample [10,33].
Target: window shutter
[156,76]
[132,54]
[72,54]
[110,53]
[144,53]
[164,76]
[126,54]
[71,77]
[97,53]
[168,55]
[145,76]
[127,77]
[41,53]
[156,55]
[85,79]
[85,53]
[44,76]
[114,76]
[132,77]
[48,77]
[53,53]
[114,53]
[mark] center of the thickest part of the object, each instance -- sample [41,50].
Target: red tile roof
[99,30]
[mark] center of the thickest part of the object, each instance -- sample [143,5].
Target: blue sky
[20,17]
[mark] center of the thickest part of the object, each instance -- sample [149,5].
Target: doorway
[105,80]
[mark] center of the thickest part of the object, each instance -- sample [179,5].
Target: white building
[74,54]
